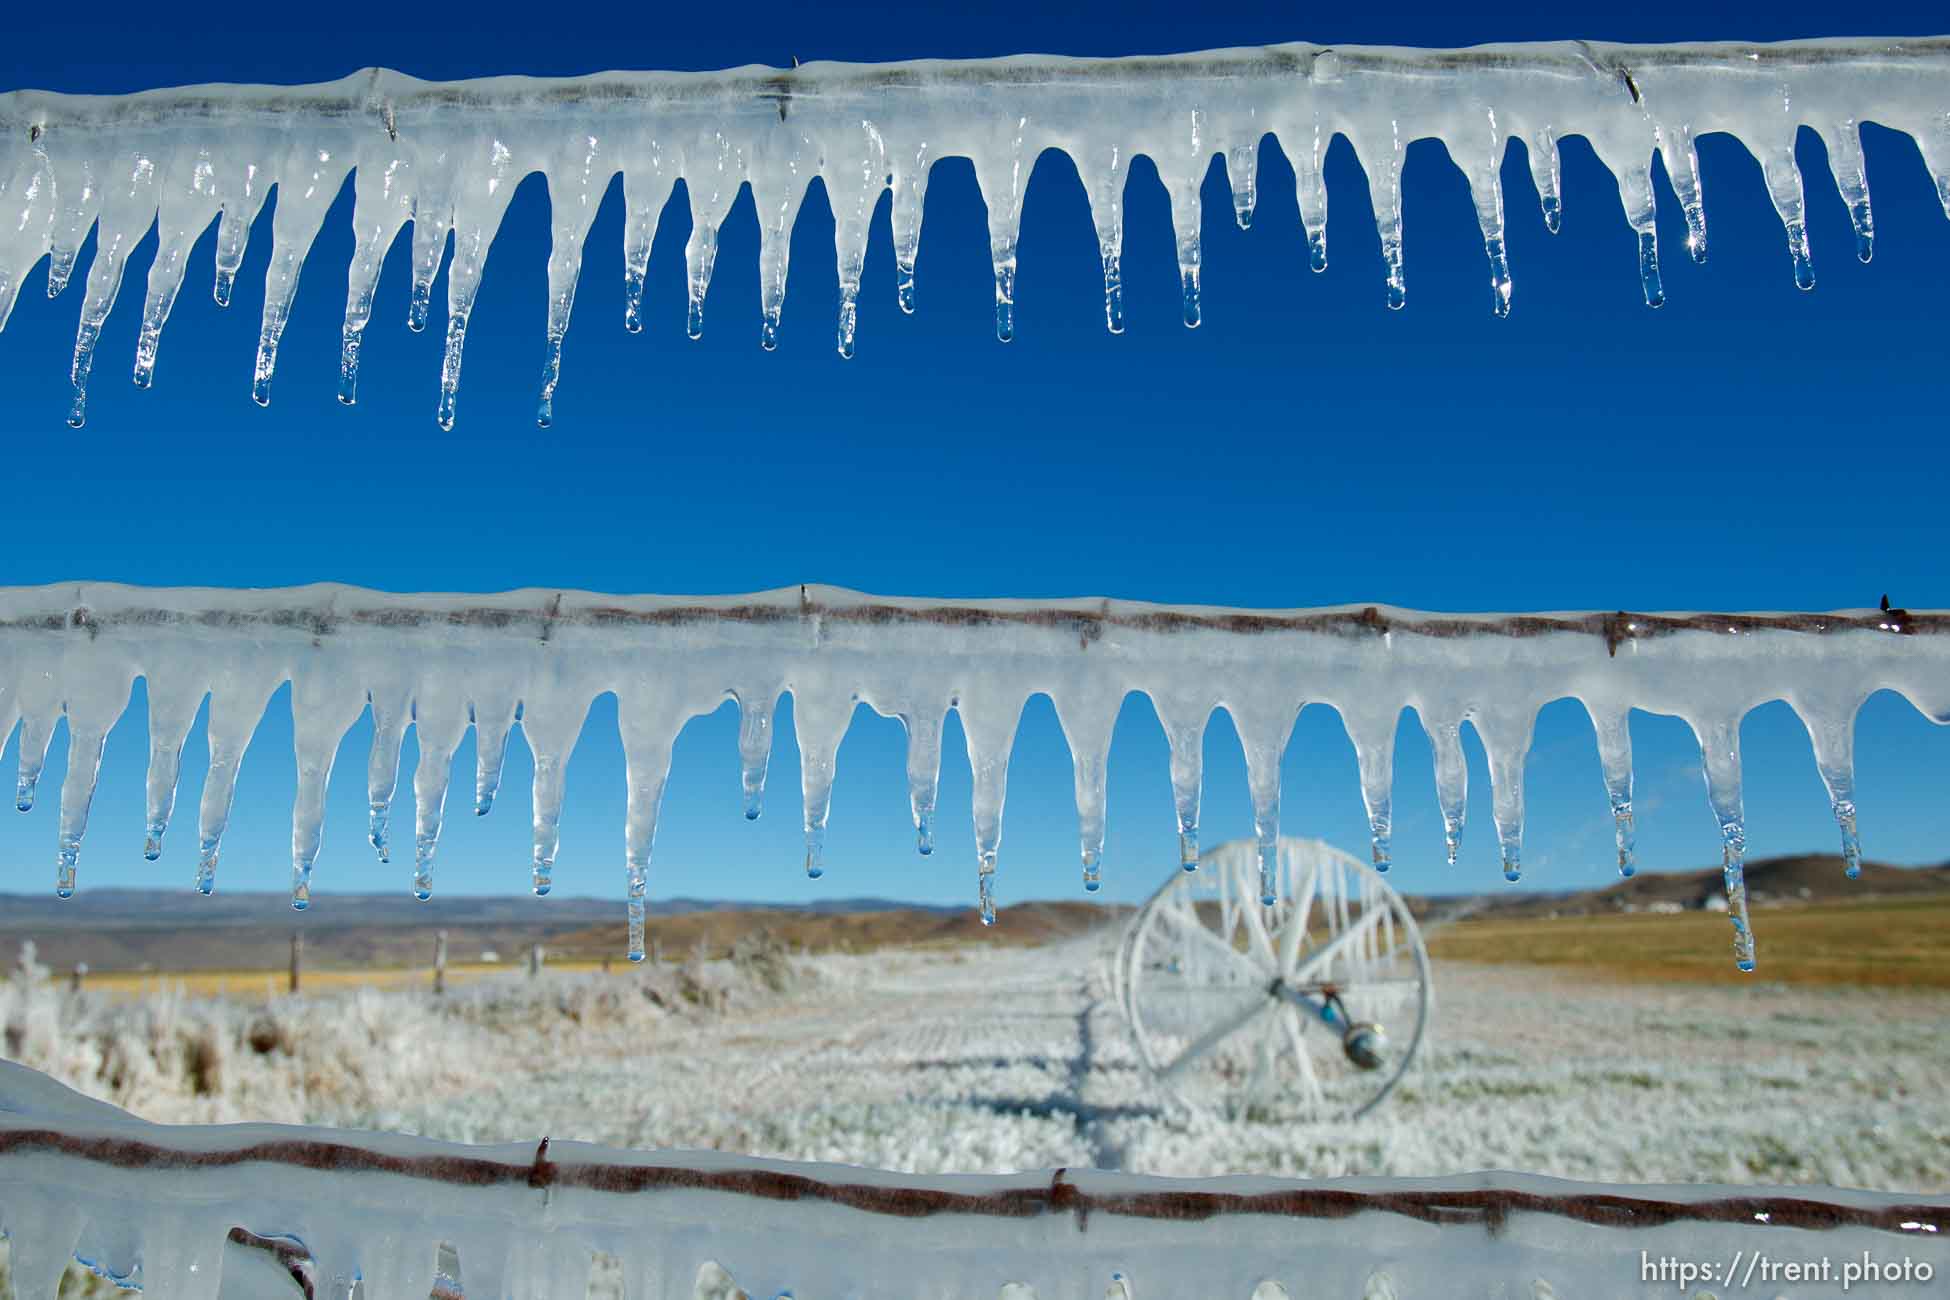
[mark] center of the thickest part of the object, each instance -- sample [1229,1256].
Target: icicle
[439,723]
[1242,173]
[1682,167]
[478,209]
[78,199]
[27,196]
[1372,731]
[1615,757]
[1185,217]
[551,724]
[1719,741]
[1451,776]
[777,210]
[646,189]
[1263,733]
[306,188]
[188,205]
[390,714]
[1184,723]
[1310,189]
[923,770]
[1641,214]
[1388,218]
[711,197]
[1783,176]
[128,207]
[172,710]
[235,709]
[1486,191]
[244,197]
[1107,214]
[1852,179]
[433,218]
[323,709]
[36,733]
[820,717]
[910,186]
[649,723]
[1087,719]
[854,193]
[989,724]
[573,211]
[1002,183]
[1831,730]
[755,708]
[85,743]
[382,203]
[1546,174]
[492,723]
[1506,740]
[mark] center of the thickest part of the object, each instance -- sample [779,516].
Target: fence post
[440,962]
[297,958]
[534,961]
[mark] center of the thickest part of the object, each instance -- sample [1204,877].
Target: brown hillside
[1021,925]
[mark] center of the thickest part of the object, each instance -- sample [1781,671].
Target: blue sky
[1747,447]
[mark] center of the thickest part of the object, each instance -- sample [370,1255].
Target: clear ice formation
[536,660]
[447,158]
[189,1212]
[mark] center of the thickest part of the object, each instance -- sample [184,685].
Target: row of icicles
[755,761]
[700,255]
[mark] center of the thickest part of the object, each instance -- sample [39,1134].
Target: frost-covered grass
[977,1059]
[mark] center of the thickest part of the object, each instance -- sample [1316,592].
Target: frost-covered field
[991,1060]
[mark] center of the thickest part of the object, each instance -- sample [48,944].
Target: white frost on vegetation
[939,1062]
[446,157]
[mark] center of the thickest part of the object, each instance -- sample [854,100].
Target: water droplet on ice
[849,321]
[226,280]
[64,867]
[378,825]
[206,867]
[1512,872]
[1188,847]
[1188,282]
[904,285]
[1553,213]
[1499,277]
[1804,267]
[1113,293]
[1655,290]
[1317,248]
[1624,825]
[924,832]
[1851,844]
[815,852]
[633,300]
[419,307]
[152,840]
[24,793]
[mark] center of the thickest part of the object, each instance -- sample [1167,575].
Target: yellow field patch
[1883,942]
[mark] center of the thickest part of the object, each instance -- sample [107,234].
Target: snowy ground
[973,1059]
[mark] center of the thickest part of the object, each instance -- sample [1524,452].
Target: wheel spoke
[1321,957]
[1297,1041]
[1191,928]
[1212,1037]
[1295,929]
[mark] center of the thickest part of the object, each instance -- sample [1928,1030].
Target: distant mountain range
[176,930]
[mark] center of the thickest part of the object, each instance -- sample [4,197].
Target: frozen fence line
[443,663]
[448,156]
[155,1204]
